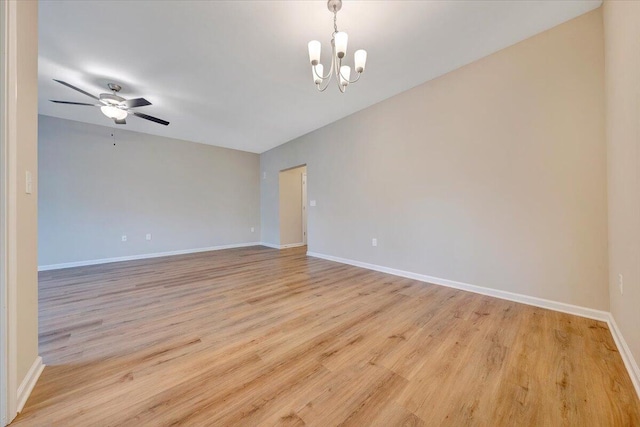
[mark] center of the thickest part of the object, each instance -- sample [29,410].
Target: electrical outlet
[124,237]
[148,236]
[253,229]
[621,283]
[374,242]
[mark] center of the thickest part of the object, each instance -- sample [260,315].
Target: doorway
[293,207]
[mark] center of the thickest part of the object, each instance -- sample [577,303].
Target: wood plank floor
[257,336]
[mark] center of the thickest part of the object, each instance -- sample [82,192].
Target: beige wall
[290,206]
[622,70]
[492,175]
[27,207]
[186,195]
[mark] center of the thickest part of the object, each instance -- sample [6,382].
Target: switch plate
[621,283]
[148,236]
[28,183]
[124,237]
[253,229]
[312,203]
[264,175]
[374,242]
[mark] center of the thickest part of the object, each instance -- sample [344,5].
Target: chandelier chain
[335,20]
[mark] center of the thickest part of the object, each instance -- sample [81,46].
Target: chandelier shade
[314,52]
[317,73]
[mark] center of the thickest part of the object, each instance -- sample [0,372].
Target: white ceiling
[236,73]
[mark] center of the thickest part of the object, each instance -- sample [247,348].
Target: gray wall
[492,175]
[186,195]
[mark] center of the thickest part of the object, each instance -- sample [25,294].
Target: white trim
[590,313]
[625,352]
[304,208]
[290,245]
[29,382]
[511,296]
[143,256]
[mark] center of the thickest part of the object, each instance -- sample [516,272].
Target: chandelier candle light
[338,51]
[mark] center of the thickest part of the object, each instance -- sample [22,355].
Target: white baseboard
[625,352]
[143,256]
[511,296]
[29,382]
[290,245]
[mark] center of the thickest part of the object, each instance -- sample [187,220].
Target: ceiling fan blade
[75,88]
[137,102]
[74,103]
[120,122]
[153,119]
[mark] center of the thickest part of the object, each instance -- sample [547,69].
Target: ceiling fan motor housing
[115,87]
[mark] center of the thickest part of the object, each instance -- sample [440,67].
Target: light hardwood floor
[257,336]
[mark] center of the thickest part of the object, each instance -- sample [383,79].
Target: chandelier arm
[318,75]
[350,81]
[318,85]
[338,65]
[322,89]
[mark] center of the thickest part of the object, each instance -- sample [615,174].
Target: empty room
[323,213]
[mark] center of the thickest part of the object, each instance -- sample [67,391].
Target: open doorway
[293,207]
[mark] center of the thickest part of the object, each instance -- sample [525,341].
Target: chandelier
[338,52]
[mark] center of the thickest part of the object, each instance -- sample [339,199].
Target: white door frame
[8,198]
[304,208]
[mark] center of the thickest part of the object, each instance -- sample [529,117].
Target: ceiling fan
[113,106]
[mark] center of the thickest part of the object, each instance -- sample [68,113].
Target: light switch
[312,203]
[29,183]
[148,236]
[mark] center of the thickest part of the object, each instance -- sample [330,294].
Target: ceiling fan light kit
[339,41]
[114,113]
[114,106]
